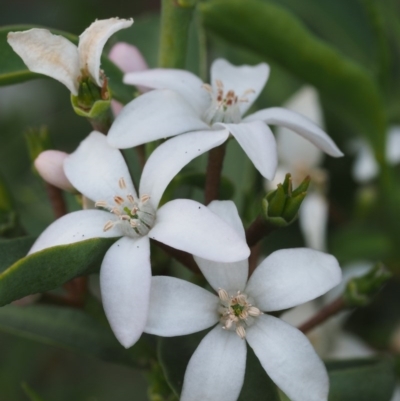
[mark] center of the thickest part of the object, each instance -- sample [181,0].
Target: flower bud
[127,58]
[360,290]
[49,164]
[281,206]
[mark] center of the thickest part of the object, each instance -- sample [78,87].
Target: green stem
[176,16]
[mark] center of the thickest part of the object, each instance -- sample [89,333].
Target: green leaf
[13,70]
[174,354]
[50,268]
[71,329]
[13,250]
[363,379]
[32,395]
[276,34]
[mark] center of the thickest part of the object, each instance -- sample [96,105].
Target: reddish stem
[213,174]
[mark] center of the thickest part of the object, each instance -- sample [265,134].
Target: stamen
[144,198]
[253,311]
[130,198]
[134,210]
[118,200]
[134,223]
[101,203]
[241,332]
[208,88]
[125,217]
[109,225]
[223,295]
[122,183]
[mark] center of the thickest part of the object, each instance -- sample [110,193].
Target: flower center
[136,216]
[224,106]
[236,312]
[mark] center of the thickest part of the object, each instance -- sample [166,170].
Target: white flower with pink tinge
[100,173]
[58,58]
[181,103]
[283,280]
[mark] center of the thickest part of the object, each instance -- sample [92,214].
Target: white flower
[183,103]
[365,167]
[284,279]
[300,158]
[99,172]
[58,58]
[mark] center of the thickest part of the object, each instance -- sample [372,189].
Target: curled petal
[50,165]
[75,227]
[95,169]
[258,142]
[48,54]
[170,157]
[289,359]
[299,124]
[246,81]
[216,369]
[290,277]
[183,82]
[157,114]
[92,41]
[190,226]
[174,306]
[125,279]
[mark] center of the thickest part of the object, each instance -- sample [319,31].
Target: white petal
[127,57]
[297,123]
[154,115]
[92,41]
[365,167]
[170,157]
[230,276]
[178,307]
[190,226]
[313,218]
[258,142]
[95,169]
[50,165]
[183,82]
[75,227]
[393,145]
[289,359]
[216,369]
[125,279]
[240,79]
[48,54]
[290,277]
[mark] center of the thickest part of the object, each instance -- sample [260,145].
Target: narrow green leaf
[68,328]
[174,355]
[13,250]
[32,395]
[13,70]
[52,267]
[276,34]
[361,379]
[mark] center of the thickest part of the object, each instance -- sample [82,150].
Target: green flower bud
[281,206]
[360,290]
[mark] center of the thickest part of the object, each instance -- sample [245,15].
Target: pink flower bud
[49,164]
[127,57]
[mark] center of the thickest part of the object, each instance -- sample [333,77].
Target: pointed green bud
[37,140]
[360,290]
[92,101]
[281,206]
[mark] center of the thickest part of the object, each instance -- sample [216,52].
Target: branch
[258,230]
[56,200]
[324,314]
[213,175]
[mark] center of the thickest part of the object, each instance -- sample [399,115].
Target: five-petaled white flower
[99,172]
[58,58]
[182,103]
[284,279]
